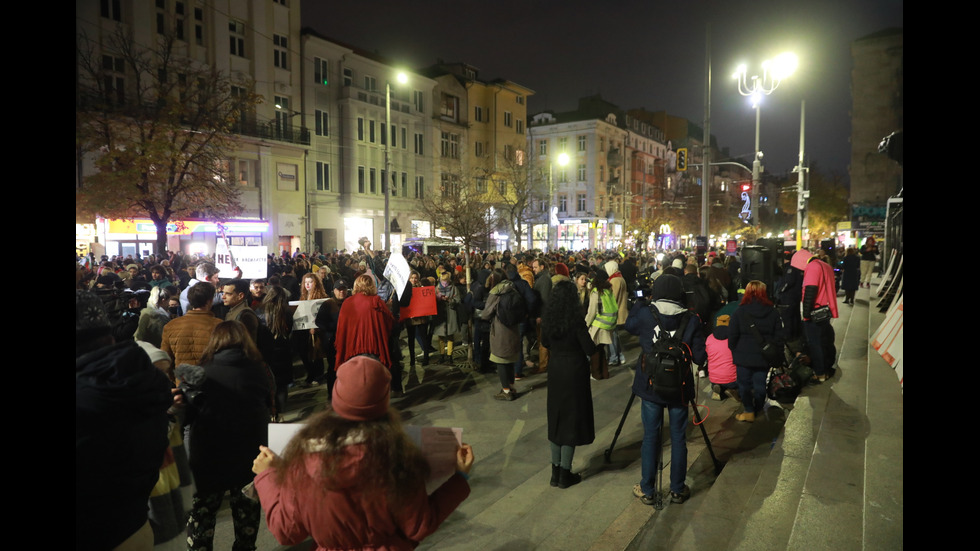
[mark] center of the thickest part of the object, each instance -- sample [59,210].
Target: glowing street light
[755,87]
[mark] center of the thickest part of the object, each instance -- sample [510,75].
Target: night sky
[647,54]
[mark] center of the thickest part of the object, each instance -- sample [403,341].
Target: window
[563,175]
[320,71]
[450,185]
[111,9]
[581,202]
[562,145]
[371,131]
[519,157]
[449,108]
[520,100]
[420,187]
[246,170]
[199,26]
[520,126]
[373,180]
[508,119]
[360,129]
[322,176]
[114,79]
[478,149]
[502,187]
[481,184]
[322,123]
[419,144]
[450,145]
[542,147]
[394,136]
[348,76]
[360,179]
[419,101]
[383,134]
[562,203]
[180,21]
[404,138]
[602,144]
[509,152]
[370,83]
[236,37]
[581,143]
[161,17]
[581,173]
[602,174]
[478,113]
[280,52]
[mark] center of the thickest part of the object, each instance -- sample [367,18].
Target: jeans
[752,387]
[820,345]
[652,415]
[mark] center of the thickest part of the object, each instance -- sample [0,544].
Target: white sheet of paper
[397,272]
[305,315]
[280,434]
[438,445]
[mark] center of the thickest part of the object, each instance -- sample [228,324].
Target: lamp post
[402,78]
[552,215]
[773,71]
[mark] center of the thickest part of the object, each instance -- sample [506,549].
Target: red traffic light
[746,186]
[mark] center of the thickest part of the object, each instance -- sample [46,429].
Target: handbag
[820,315]
[780,385]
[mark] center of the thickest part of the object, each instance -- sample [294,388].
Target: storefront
[139,236]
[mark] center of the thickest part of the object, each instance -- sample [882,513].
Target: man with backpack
[673,341]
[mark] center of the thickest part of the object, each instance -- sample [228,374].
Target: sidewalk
[825,474]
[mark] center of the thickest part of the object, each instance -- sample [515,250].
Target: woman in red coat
[351,478]
[364,324]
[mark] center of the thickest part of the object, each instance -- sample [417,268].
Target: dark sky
[641,54]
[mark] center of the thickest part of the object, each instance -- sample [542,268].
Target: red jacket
[363,327]
[338,515]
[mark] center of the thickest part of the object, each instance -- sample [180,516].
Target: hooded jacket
[339,514]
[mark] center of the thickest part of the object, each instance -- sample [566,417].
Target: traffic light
[746,186]
[682,159]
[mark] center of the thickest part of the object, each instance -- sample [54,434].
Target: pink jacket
[721,369]
[821,275]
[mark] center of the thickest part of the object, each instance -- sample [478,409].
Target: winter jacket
[121,424]
[642,324]
[338,514]
[186,337]
[505,342]
[746,348]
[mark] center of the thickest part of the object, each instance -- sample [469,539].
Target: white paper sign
[305,315]
[397,272]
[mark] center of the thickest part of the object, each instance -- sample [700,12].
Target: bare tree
[517,186]
[462,210]
[159,127]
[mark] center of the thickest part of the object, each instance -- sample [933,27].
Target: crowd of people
[222,353]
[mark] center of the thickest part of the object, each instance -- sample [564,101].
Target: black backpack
[668,365]
[512,308]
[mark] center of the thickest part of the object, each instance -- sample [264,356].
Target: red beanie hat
[362,390]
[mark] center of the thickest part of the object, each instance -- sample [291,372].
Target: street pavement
[824,473]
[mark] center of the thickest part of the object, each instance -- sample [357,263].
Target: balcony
[268,129]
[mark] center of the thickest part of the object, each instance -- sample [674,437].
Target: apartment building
[255,44]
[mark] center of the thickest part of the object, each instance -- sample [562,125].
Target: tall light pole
[801,194]
[552,215]
[402,78]
[773,72]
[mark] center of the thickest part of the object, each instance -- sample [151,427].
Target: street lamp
[552,215]
[402,78]
[773,72]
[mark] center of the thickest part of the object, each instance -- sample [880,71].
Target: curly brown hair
[396,463]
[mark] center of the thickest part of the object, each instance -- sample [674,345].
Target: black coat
[229,421]
[570,416]
[746,348]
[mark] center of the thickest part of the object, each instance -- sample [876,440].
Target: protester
[751,365]
[351,478]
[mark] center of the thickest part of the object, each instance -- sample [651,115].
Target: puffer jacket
[186,337]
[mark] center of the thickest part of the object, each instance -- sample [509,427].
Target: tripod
[660,460]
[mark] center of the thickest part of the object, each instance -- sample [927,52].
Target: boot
[567,478]
[555,474]
[746,417]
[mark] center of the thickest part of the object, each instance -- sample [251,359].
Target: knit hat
[669,287]
[362,390]
[561,269]
[800,259]
[722,321]
[677,263]
[90,313]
